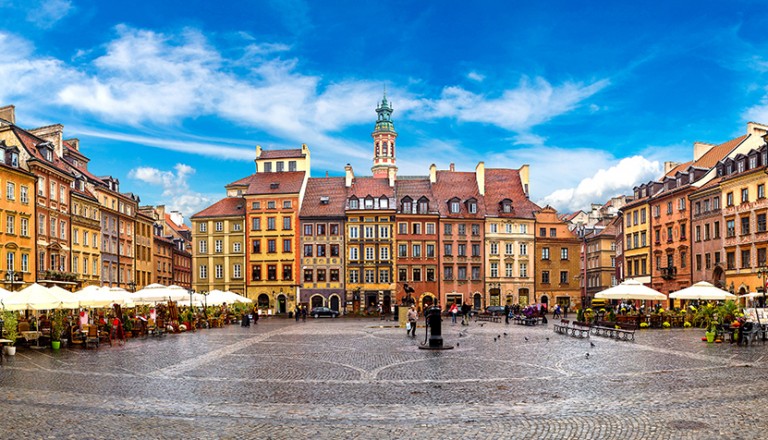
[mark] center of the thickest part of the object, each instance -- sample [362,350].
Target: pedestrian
[454,311]
[413,317]
[304,313]
[297,311]
[565,311]
[556,313]
[507,312]
[465,309]
[255,315]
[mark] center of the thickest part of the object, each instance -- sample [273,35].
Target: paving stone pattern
[359,379]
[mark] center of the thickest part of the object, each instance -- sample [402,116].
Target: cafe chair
[92,337]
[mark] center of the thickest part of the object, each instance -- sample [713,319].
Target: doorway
[281,304]
[334,303]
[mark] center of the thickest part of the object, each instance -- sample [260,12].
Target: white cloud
[758,112]
[475,76]
[175,187]
[530,104]
[605,183]
[46,13]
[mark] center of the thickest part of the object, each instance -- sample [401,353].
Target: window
[760,223]
[25,228]
[354,232]
[494,248]
[669,207]
[287,248]
[716,230]
[402,228]
[642,216]
[683,231]
[545,253]
[760,191]
[744,225]
[334,250]
[334,275]
[744,195]
[321,229]
[494,270]
[729,199]
[10,191]
[383,231]
[307,230]
[286,204]
[308,250]
[563,253]
[24,194]
[370,276]
[237,271]
[286,223]
[475,229]
[353,253]
[256,205]
[545,275]
[218,246]
[543,231]
[669,234]
[271,223]
[461,274]
[416,274]
[256,273]
[494,228]
[237,226]
[334,229]
[255,224]
[417,251]
[321,275]
[203,246]
[462,250]
[431,228]
[523,270]
[745,259]
[10,225]
[509,249]
[508,270]
[563,277]
[291,165]
[730,228]
[353,203]
[681,204]
[354,276]
[271,204]
[448,250]
[368,232]
[454,207]
[430,274]
[203,271]
[402,274]
[552,232]
[384,253]
[462,229]
[309,275]
[430,251]
[475,249]
[219,271]
[256,248]
[271,246]
[271,272]
[402,250]
[448,273]
[219,226]
[523,249]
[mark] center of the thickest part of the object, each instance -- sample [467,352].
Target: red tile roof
[459,184]
[415,188]
[31,142]
[281,154]
[284,182]
[226,207]
[174,226]
[369,186]
[318,189]
[718,153]
[504,183]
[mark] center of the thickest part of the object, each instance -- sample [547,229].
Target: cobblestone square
[347,378]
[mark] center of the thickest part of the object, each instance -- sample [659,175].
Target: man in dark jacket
[465,309]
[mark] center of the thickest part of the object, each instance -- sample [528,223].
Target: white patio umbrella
[65,295]
[217,297]
[631,289]
[155,293]
[752,295]
[93,296]
[702,291]
[4,293]
[38,297]
[198,300]
[236,297]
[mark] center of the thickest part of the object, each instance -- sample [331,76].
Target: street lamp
[14,277]
[132,286]
[762,273]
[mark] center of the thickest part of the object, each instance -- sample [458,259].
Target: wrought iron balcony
[668,273]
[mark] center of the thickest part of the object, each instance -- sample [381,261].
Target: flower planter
[10,350]
[56,345]
[710,337]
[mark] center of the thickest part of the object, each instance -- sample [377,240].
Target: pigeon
[505,334]
[591,344]
[547,339]
[482,324]
[457,344]
[587,356]
[494,339]
[499,336]
[526,338]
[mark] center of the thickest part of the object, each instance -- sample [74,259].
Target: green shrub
[687,324]
[666,324]
[643,325]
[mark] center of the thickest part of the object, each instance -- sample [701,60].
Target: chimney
[480,176]
[392,175]
[699,149]
[74,142]
[752,128]
[8,113]
[350,176]
[669,166]
[53,134]
[525,174]
[258,156]
[452,167]
[432,173]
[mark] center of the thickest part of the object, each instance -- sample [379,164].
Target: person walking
[556,313]
[465,309]
[507,311]
[454,311]
[297,311]
[413,317]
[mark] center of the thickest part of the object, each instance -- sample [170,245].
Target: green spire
[384,112]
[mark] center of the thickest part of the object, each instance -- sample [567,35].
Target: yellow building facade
[17,217]
[86,232]
[220,247]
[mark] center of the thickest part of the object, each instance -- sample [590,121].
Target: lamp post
[13,277]
[762,273]
[132,286]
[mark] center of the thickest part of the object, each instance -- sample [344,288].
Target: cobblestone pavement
[345,378]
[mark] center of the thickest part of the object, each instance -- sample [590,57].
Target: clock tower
[384,136]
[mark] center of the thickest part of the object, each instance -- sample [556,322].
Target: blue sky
[171,97]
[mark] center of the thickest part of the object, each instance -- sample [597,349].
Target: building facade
[558,256]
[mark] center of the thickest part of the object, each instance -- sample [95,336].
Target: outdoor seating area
[487,317]
[624,332]
[41,317]
[575,329]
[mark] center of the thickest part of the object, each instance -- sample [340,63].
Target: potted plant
[11,328]
[127,326]
[57,327]
[710,334]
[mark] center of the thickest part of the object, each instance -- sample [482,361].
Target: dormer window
[353,203]
[369,203]
[690,178]
[454,205]
[384,203]
[740,166]
[407,205]
[753,162]
[729,168]
[765,157]
[423,206]
[506,206]
[472,207]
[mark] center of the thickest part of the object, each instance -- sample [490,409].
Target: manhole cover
[687,424]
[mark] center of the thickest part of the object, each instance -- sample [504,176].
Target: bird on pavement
[526,338]
[482,324]
[494,339]
[587,356]
[499,336]
[457,344]
[505,334]
[591,344]
[547,339]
